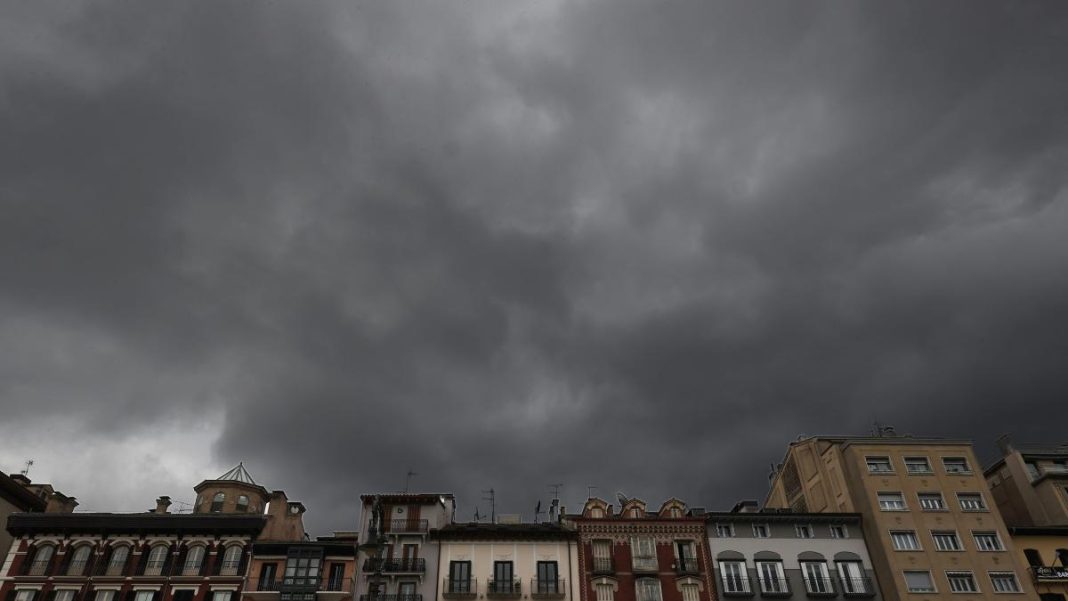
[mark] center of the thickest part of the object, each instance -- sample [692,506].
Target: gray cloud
[601,243]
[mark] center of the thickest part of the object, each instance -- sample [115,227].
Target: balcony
[153,568]
[38,568]
[1049,573]
[687,565]
[411,565]
[503,589]
[736,586]
[459,589]
[262,585]
[775,587]
[547,589]
[405,527]
[229,568]
[819,587]
[645,563]
[392,598]
[603,565]
[339,585]
[191,568]
[858,587]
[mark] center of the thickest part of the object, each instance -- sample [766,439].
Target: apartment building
[1029,484]
[1045,550]
[926,512]
[405,568]
[303,570]
[778,554]
[507,561]
[642,555]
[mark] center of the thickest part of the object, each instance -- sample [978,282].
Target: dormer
[672,508]
[632,509]
[595,508]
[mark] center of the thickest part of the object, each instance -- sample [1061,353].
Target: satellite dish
[622,498]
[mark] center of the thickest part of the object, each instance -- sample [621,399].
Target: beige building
[1029,484]
[932,530]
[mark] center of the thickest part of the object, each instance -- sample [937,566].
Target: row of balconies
[151,568]
[327,585]
[406,565]
[683,565]
[741,586]
[503,589]
[405,527]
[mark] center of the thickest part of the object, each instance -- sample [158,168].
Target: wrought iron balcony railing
[460,588]
[391,598]
[405,527]
[411,565]
[541,588]
[603,565]
[503,588]
[775,587]
[38,568]
[154,568]
[645,563]
[229,568]
[858,587]
[819,587]
[76,568]
[688,565]
[266,585]
[736,586]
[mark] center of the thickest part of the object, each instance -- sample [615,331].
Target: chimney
[611,511]
[554,511]
[162,504]
[1005,444]
[61,503]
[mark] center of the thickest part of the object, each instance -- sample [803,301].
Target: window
[1034,558]
[63,595]
[604,592]
[946,540]
[962,582]
[303,567]
[217,502]
[816,579]
[41,559]
[459,577]
[336,582]
[25,594]
[771,577]
[117,562]
[988,541]
[932,501]
[104,596]
[689,592]
[919,582]
[602,556]
[917,465]
[687,556]
[648,589]
[221,595]
[734,577]
[971,501]
[268,573]
[905,540]
[596,512]
[1004,582]
[880,465]
[956,465]
[156,557]
[194,558]
[761,531]
[145,596]
[76,567]
[725,530]
[242,503]
[503,580]
[892,501]
[548,580]
[804,531]
[643,550]
[231,561]
[852,576]
[839,531]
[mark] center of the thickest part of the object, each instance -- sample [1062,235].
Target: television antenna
[408,478]
[556,490]
[589,491]
[493,504]
[26,470]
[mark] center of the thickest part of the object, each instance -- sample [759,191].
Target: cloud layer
[601,243]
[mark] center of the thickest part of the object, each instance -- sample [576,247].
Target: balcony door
[406,591]
[852,575]
[460,577]
[502,576]
[409,553]
[548,577]
[268,574]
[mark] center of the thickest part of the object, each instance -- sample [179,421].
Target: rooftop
[482,531]
[238,474]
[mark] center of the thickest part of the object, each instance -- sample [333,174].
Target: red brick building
[641,555]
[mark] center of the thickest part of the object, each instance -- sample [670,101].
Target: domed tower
[233,492]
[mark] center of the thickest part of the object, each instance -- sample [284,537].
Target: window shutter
[179,565]
[141,564]
[244,562]
[27,560]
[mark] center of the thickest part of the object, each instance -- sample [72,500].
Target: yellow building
[931,529]
[1030,484]
[1045,550]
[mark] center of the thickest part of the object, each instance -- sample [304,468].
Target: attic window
[217,502]
[596,512]
[242,503]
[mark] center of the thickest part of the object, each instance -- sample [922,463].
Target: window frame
[742,576]
[1002,574]
[799,528]
[825,576]
[930,577]
[929,469]
[766,530]
[870,460]
[834,528]
[947,533]
[950,574]
[781,581]
[921,497]
[644,584]
[991,533]
[954,458]
[638,559]
[977,495]
[914,536]
[900,496]
[730,529]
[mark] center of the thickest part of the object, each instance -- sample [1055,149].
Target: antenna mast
[556,490]
[26,470]
[408,478]
[493,504]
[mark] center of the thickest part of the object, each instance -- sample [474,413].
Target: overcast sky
[635,245]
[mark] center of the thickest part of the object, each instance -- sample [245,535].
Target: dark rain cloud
[623,244]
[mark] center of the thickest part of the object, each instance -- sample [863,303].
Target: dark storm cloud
[617,244]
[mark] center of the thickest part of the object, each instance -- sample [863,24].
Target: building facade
[1029,484]
[1045,551]
[641,555]
[507,561]
[407,566]
[775,555]
[15,497]
[930,525]
[319,570]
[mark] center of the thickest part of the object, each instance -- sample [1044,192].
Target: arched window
[242,503]
[41,559]
[156,558]
[596,512]
[117,563]
[78,559]
[231,561]
[217,502]
[194,557]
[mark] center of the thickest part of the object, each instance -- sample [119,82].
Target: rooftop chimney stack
[162,504]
